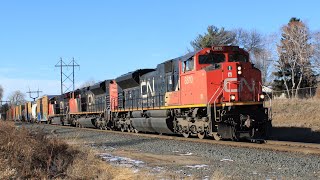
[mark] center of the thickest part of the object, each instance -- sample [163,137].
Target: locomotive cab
[223,78]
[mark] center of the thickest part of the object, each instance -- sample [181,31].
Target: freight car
[19,113]
[43,108]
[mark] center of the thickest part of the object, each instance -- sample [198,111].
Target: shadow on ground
[295,134]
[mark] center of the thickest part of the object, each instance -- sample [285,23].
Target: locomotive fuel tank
[86,122]
[157,121]
[154,124]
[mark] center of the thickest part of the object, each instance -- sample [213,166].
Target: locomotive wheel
[186,134]
[217,136]
[201,135]
[122,129]
[129,128]
[235,137]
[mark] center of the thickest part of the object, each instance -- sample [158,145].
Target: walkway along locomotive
[213,92]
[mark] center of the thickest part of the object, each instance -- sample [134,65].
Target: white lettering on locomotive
[146,88]
[188,79]
[243,82]
[227,83]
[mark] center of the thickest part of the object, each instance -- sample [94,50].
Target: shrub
[31,154]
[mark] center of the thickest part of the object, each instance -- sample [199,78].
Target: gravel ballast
[214,161]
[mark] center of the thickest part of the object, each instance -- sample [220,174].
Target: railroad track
[283,146]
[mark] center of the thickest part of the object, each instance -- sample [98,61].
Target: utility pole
[33,92]
[3,102]
[64,77]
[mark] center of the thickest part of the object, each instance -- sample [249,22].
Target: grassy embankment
[34,155]
[301,113]
[296,120]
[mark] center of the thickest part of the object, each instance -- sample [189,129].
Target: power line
[4,102]
[34,92]
[66,77]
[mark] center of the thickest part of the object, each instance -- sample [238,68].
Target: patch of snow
[136,170]
[197,166]
[121,161]
[109,148]
[157,169]
[186,154]
[206,178]
[226,159]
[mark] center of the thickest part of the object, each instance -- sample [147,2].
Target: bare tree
[259,47]
[263,61]
[316,46]
[252,40]
[294,53]
[17,98]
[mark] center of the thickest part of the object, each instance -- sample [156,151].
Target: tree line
[287,64]
[15,98]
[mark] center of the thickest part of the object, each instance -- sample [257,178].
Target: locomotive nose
[231,82]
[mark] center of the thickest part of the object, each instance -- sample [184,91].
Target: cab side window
[237,58]
[188,65]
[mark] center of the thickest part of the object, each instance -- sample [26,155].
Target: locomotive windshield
[211,58]
[238,58]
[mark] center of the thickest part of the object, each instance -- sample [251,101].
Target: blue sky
[109,38]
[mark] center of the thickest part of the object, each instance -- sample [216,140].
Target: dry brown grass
[89,167]
[296,113]
[25,154]
[102,170]
[317,96]
[32,154]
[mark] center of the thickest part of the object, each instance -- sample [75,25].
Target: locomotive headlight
[261,96]
[239,68]
[239,72]
[232,97]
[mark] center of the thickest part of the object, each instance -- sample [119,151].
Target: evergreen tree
[214,36]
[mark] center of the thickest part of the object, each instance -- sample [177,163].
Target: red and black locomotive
[214,92]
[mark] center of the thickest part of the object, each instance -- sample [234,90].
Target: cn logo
[146,87]
[243,82]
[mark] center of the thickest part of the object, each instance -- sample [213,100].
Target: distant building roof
[266,89]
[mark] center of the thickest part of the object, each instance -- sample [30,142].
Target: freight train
[213,92]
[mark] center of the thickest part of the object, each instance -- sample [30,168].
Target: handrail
[270,102]
[213,95]
[214,107]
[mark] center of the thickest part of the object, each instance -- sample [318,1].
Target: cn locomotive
[213,92]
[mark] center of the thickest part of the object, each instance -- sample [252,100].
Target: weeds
[26,154]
